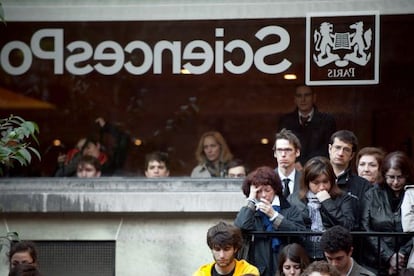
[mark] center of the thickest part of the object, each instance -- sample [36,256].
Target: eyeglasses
[344,149]
[392,178]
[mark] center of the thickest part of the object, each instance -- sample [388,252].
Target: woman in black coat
[321,202]
[266,210]
[382,213]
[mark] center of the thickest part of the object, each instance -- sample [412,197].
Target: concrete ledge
[115,194]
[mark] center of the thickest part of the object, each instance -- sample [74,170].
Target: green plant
[15,145]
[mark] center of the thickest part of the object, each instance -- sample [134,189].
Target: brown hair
[262,176]
[24,246]
[323,267]
[294,252]
[378,154]
[290,136]
[223,234]
[315,167]
[398,160]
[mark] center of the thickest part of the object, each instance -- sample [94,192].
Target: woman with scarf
[321,202]
[266,210]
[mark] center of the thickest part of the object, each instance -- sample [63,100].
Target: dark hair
[398,160]
[262,176]
[290,136]
[90,140]
[24,270]
[223,234]
[91,160]
[294,252]
[335,239]
[346,136]
[23,246]
[322,267]
[158,156]
[237,163]
[315,167]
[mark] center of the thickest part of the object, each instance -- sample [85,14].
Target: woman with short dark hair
[267,210]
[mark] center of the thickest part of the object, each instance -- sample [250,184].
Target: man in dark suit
[312,127]
[286,150]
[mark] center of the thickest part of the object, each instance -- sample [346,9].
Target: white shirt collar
[276,201]
[310,114]
[291,176]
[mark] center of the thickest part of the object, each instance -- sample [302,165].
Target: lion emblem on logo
[326,42]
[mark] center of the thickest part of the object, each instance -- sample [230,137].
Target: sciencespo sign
[109,57]
[330,48]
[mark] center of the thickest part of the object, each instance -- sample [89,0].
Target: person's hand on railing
[393,263]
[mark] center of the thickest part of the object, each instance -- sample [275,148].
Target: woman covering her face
[321,202]
[267,210]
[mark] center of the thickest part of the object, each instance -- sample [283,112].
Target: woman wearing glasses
[382,213]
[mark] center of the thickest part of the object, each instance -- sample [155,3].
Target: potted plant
[16,136]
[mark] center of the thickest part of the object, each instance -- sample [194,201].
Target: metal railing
[292,236]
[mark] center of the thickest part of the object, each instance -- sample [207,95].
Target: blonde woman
[212,155]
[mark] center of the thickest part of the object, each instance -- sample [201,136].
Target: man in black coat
[312,127]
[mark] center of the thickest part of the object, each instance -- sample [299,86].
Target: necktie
[304,120]
[286,191]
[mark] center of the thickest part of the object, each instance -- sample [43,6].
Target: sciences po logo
[342,49]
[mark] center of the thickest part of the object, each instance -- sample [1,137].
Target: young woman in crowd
[292,260]
[23,252]
[382,213]
[267,210]
[321,202]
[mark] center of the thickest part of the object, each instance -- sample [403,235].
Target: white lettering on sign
[109,57]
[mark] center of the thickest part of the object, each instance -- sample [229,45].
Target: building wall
[159,226]
[50,10]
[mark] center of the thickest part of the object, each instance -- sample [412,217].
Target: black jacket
[378,216]
[314,136]
[249,220]
[334,211]
[356,187]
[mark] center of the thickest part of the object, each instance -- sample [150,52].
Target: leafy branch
[15,134]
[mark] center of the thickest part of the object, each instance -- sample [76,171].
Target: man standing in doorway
[313,128]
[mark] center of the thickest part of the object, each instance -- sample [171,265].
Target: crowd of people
[313,188]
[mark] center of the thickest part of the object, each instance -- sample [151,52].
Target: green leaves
[16,135]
